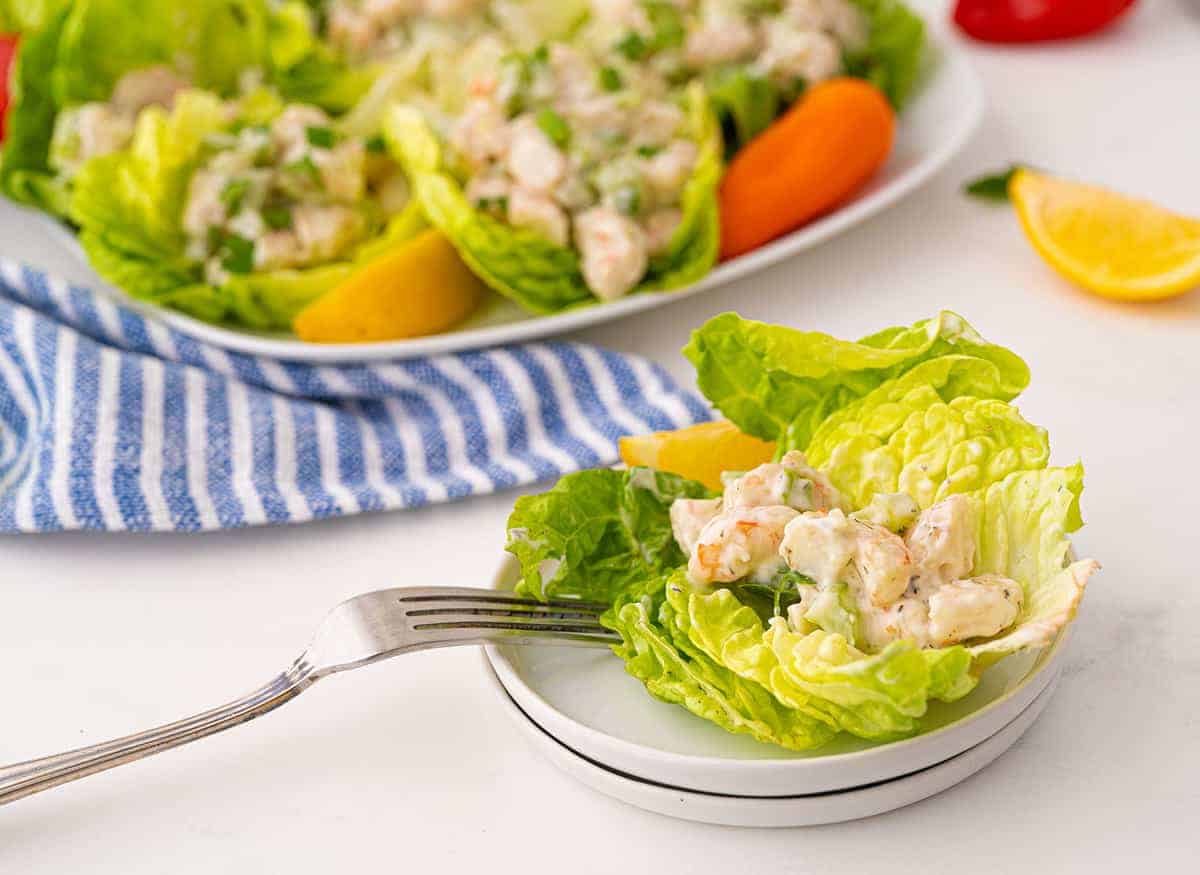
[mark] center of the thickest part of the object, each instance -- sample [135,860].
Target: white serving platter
[933,129]
[777,811]
[585,699]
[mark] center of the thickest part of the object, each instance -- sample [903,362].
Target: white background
[411,766]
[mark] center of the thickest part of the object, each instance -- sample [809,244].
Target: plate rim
[726,769]
[951,61]
[773,811]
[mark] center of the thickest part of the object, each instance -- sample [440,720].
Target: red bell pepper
[8,51]
[1029,21]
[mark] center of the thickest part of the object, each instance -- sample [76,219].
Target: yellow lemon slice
[420,287]
[698,452]
[1113,245]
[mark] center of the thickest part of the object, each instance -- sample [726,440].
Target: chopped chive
[239,254]
[994,186]
[277,218]
[554,126]
[322,138]
[540,55]
[306,166]
[376,144]
[233,195]
[610,79]
[633,46]
[648,151]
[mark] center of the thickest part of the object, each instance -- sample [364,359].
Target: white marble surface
[409,765]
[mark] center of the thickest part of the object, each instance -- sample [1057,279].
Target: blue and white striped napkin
[110,421]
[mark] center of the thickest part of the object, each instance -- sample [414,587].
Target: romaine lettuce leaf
[780,384]
[892,58]
[79,50]
[597,532]
[521,264]
[744,101]
[305,69]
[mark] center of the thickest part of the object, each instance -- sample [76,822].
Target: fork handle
[33,776]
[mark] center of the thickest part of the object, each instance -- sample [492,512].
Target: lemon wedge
[698,452]
[1115,246]
[421,287]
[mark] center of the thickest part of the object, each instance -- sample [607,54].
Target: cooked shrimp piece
[942,543]
[534,162]
[720,39]
[738,543]
[204,208]
[325,232]
[528,209]
[150,86]
[481,133]
[276,250]
[451,8]
[386,13]
[883,563]
[657,121]
[819,545]
[101,131]
[289,131]
[846,22]
[660,228]
[790,481]
[906,618]
[799,54]
[977,608]
[689,516]
[805,14]
[667,171]
[485,189]
[613,249]
[343,170]
[349,27]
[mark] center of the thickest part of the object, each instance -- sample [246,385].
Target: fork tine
[439,635]
[493,596]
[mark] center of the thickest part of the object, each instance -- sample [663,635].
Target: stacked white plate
[581,710]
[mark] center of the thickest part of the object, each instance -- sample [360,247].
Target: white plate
[588,702]
[933,129]
[810,810]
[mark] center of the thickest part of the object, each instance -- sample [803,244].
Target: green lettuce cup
[917,449]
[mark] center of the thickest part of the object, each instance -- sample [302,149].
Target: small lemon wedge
[420,287]
[698,452]
[1113,245]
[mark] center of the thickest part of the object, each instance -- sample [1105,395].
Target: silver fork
[359,631]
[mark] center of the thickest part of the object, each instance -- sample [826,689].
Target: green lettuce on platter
[906,417]
[75,52]
[538,274]
[129,205]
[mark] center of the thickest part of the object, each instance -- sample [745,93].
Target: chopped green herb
[307,167]
[497,204]
[993,187]
[540,55]
[633,46]
[667,23]
[610,79]
[239,254]
[233,195]
[322,138]
[277,217]
[648,151]
[554,126]
[627,200]
[376,144]
[757,8]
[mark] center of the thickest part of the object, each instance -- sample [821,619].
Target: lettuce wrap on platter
[909,534]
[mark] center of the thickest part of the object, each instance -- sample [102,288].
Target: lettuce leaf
[598,532]
[78,50]
[307,70]
[745,103]
[523,265]
[892,58]
[780,384]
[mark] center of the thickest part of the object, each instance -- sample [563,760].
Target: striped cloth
[113,422]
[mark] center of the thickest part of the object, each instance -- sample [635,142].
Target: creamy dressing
[916,586]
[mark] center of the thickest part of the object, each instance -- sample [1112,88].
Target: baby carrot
[809,161]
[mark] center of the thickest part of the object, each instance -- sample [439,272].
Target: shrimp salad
[783,524]
[896,530]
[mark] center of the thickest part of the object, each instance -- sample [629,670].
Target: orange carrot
[809,161]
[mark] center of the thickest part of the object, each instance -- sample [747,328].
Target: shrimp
[150,86]
[799,54]
[744,542]
[689,516]
[613,249]
[534,162]
[942,543]
[791,481]
[325,232]
[975,608]
[667,171]
[660,229]
[528,209]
